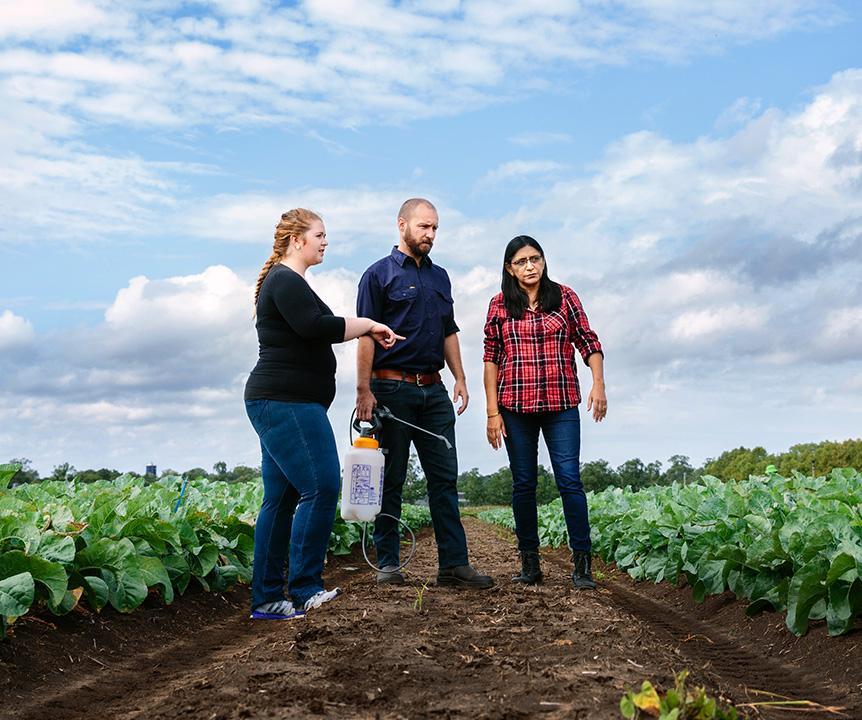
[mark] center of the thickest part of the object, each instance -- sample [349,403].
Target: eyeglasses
[522,262]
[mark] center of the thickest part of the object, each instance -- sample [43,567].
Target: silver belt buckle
[419,379]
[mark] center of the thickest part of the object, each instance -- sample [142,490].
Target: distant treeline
[496,487]
[738,464]
[66,472]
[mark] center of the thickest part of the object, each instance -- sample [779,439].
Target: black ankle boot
[531,573]
[582,578]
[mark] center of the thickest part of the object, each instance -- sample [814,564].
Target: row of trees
[808,458]
[738,464]
[496,488]
[66,472]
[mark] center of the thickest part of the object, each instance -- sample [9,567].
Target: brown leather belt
[404,376]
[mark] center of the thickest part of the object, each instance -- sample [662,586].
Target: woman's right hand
[496,431]
[384,335]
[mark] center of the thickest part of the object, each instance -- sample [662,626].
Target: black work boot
[582,579]
[463,576]
[531,573]
[390,575]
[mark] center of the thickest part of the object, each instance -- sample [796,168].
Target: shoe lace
[323,596]
[277,607]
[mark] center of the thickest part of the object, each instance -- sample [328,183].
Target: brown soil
[418,651]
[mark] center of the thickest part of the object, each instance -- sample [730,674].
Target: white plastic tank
[362,481]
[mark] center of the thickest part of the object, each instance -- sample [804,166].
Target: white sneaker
[324,596]
[276,610]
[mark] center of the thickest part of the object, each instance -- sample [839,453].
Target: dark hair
[550,294]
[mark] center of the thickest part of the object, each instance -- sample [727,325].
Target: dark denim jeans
[562,432]
[301,481]
[428,407]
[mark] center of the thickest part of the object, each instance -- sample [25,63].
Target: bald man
[413,296]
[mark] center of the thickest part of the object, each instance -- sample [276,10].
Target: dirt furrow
[416,651]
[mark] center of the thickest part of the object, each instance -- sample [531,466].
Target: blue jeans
[562,432]
[428,407]
[301,482]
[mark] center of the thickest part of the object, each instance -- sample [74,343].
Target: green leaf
[57,548]
[126,589]
[16,594]
[202,562]
[96,591]
[68,603]
[844,567]
[178,570]
[158,533]
[7,472]
[155,575]
[49,575]
[845,603]
[805,590]
[106,553]
[627,707]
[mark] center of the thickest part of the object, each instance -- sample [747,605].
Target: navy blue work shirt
[415,301]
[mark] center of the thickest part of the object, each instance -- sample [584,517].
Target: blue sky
[694,171]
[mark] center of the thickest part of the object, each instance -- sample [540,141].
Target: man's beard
[416,245]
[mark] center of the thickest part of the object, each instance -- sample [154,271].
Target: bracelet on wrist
[493,416]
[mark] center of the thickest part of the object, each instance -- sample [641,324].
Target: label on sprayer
[362,490]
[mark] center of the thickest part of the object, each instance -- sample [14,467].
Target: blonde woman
[286,398]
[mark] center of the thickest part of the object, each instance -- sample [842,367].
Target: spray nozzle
[383,412]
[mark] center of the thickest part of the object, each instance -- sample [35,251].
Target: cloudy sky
[693,170]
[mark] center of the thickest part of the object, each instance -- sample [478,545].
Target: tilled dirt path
[402,652]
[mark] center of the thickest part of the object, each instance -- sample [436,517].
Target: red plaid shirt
[536,356]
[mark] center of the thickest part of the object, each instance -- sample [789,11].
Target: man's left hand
[460,390]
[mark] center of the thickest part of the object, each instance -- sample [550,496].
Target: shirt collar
[401,258]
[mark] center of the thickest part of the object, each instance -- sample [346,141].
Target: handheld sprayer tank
[362,478]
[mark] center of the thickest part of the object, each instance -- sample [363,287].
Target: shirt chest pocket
[554,324]
[404,295]
[444,302]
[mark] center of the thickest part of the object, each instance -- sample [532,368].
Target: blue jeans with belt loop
[429,407]
[562,432]
[301,481]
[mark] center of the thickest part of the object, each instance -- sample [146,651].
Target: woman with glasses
[531,385]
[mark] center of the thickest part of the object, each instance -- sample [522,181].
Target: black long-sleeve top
[295,330]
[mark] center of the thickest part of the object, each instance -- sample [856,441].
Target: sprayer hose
[412,544]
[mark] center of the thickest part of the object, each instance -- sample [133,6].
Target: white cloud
[350,214]
[520,168]
[362,61]
[231,66]
[530,139]
[49,19]
[741,111]
[694,326]
[15,331]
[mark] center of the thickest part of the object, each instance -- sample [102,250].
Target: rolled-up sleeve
[493,335]
[584,337]
[445,291]
[449,325]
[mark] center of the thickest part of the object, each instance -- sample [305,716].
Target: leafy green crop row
[112,543]
[788,544]
[552,525]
